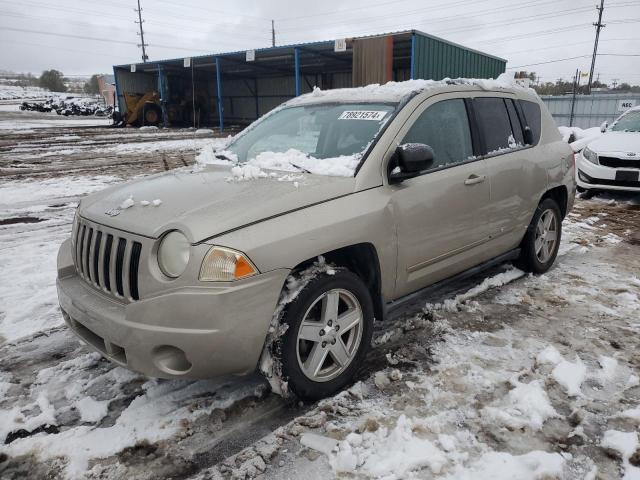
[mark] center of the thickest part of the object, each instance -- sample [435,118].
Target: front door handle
[473,179]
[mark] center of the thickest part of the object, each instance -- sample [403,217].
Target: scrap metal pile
[80,106]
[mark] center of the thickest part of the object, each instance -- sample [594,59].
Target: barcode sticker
[362,115]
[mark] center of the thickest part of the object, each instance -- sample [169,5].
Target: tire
[324,340]
[151,115]
[534,257]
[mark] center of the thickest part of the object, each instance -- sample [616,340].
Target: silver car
[387,190]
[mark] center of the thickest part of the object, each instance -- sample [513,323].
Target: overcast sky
[81,37]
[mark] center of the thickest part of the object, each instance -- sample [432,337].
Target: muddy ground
[435,359]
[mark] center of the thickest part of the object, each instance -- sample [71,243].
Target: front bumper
[591,176]
[201,331]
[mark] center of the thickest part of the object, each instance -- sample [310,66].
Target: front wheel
[330,324]
[541,242]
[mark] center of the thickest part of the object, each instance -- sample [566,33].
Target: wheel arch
[560,195]
[361,259]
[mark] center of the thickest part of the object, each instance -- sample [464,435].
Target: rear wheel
[151,114]
[540,245]
[330,324]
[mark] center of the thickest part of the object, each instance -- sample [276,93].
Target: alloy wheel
[329,335]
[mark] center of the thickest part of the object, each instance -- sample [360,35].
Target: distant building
[235,88]
[107,86]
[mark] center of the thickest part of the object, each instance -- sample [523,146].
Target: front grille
[614,162]
[601,181]
[107,259]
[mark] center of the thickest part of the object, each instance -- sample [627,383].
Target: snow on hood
[208,202]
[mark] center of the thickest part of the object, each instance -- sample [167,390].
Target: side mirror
[413,159]
[528,136]
[604,126]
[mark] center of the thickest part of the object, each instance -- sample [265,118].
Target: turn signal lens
[225,265]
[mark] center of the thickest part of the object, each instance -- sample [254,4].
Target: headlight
[173,254]
[590,155]
[225,265]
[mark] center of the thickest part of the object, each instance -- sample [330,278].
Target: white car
[612,161]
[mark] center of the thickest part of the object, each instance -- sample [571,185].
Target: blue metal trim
[219,91]
[296,61]
[413,56]
[162,88]
[115,79]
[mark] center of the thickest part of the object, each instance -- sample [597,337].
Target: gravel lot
[497,374]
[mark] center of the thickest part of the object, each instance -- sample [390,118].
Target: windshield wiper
[302,169]
[222,156]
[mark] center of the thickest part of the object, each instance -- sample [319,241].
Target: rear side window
[494,123]
[531,111]
[444,126]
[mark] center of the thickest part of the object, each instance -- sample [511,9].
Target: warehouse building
[235,88]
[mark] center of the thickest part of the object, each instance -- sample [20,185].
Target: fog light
[171,360]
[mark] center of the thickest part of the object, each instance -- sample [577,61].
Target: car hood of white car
[617,142]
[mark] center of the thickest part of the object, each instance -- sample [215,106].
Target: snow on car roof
[394,92]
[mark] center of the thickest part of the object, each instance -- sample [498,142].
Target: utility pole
[140,22]
[576,81]
[273,33]
[598,26]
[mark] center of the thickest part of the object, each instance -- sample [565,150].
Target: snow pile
[91,410]
[396,91]
[577,137]
[534,465]
[12,192]
[453,304]
[381,453]
[295,161]
[569,375]
[625,445]
[526,405]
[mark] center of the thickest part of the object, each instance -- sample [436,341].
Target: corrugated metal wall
[137,82]
[589,110]
[435,60]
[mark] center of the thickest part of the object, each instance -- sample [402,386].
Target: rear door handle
[473,179]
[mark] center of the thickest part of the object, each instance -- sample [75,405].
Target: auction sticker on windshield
[362,115]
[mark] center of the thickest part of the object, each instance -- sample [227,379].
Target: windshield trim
[394,113]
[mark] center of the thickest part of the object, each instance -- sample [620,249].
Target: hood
[617,142]
[204,204]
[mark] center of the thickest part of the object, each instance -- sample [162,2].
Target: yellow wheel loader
[142,109]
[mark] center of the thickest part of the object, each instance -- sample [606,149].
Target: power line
[145,57]
[598,26]
[550,61]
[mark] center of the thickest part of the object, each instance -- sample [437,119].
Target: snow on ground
[505,376]
[529,378]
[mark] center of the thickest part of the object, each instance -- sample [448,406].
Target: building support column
[412,74]
[296,60]
[116,101]
[219,92]
[162,87]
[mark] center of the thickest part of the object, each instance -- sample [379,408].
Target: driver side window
[444,126]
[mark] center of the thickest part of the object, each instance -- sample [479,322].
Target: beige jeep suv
[310,226]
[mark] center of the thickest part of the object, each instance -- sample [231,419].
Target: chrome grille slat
[107,259]
[95,258]
[83,247]
[100,264]
[89,255]
[112,265]
[126,288]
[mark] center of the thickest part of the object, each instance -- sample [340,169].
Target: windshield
[315,133]
[629,122]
